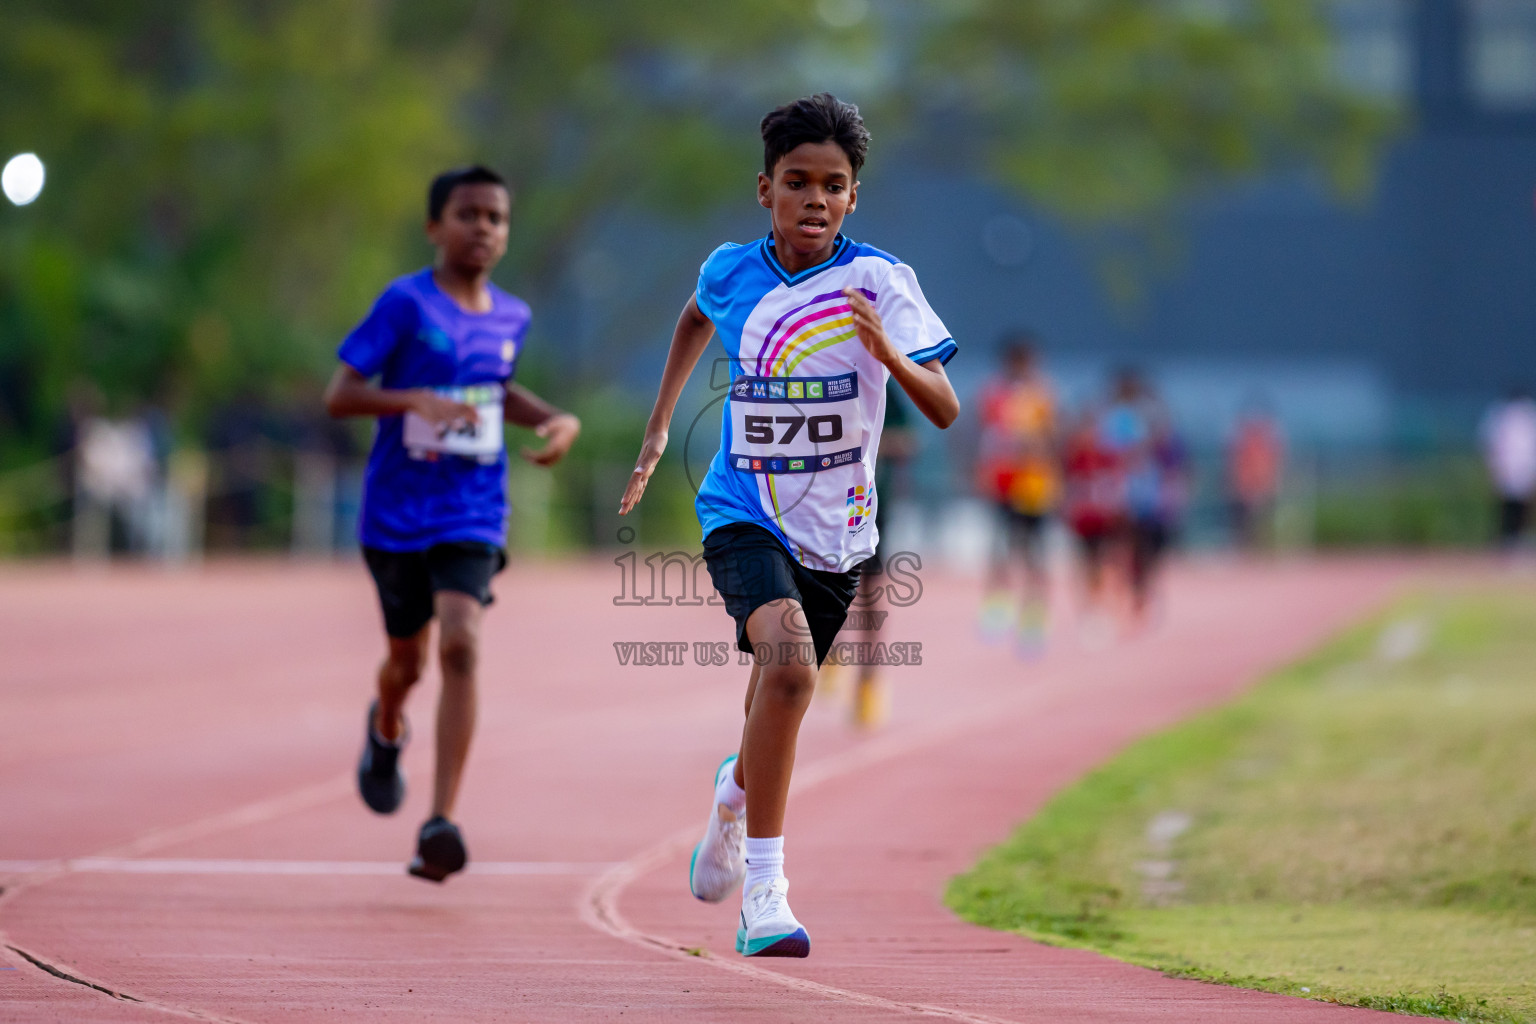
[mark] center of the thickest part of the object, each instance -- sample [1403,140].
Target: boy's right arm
[689,340]
[350,394]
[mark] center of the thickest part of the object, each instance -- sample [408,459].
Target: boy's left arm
[557,427]
[925,383]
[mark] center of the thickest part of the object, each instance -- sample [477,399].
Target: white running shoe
[720,860]
[768,928]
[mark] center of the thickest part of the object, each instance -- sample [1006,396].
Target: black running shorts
[407,580]
[750,567]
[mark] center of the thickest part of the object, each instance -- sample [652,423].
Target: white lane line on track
[132,866]
[599,907]
[259,811]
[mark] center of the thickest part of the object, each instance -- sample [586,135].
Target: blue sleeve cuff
[944,351]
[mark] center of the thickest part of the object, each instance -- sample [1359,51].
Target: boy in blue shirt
[814,325]
[444,344]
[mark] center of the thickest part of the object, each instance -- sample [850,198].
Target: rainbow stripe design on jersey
[824,321]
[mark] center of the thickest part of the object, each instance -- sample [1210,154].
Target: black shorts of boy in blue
[443,344]
[813,325]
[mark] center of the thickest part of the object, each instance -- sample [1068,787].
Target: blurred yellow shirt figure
[1017,463]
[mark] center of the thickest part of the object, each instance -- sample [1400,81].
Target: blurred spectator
[1509,448]
[116,477]
[322,449]
[242,460]
[83,403]
[1017,470]
[1254,461]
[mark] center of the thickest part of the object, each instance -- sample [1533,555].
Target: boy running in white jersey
[814,325]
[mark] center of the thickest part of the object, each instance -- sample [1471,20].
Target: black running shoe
[379,778]
[439,850]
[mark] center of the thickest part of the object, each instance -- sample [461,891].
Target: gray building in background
[1417,300]
[1424,290]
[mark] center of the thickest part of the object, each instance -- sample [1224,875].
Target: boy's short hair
[819,118]
[443,185]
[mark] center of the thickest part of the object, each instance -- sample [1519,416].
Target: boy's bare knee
[458,637]
[791,685]
[407,659]
[459,651]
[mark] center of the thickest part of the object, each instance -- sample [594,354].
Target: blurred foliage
[1110,111]
[1437,500]
[232,181]
[217,174]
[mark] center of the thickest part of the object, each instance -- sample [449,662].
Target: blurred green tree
[217,173]
[1109,112]
[231,181]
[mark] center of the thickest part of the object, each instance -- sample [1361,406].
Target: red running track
[165,730]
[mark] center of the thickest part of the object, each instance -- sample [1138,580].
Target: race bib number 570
[481,440]
[794,424]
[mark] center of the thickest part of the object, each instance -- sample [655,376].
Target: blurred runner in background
[1018,470]
[1095,497]
[1157,494]
[1125,430]
[1254,460]
[1509,449]
[444,343]
[870,701]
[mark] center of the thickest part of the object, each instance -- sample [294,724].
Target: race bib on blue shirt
[481,440]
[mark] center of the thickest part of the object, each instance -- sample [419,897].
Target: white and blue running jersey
[801,425]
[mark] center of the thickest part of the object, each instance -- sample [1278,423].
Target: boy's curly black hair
[819,118]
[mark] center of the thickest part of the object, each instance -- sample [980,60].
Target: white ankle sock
[765,861]
[730,794]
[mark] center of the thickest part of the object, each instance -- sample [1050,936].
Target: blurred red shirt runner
[1016,465]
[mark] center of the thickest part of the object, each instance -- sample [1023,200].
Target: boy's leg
[869,708]
[401,670]
[736,770]
[405,597]
[777,697]
[1002,548]
[1036,578]
[380,781]
[461,579]
[458,652]
[997,611]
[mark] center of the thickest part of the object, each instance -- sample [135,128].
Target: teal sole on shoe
[797,944]
[691,862]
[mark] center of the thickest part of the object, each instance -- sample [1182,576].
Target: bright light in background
[22,178]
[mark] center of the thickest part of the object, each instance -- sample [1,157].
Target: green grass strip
[1361,828]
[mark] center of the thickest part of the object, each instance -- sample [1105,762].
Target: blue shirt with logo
[418,337]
